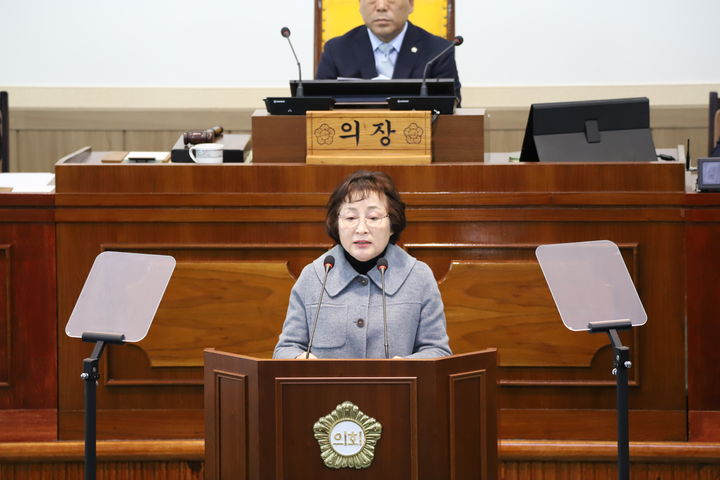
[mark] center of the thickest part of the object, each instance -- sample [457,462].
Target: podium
[438,416]
[455,138]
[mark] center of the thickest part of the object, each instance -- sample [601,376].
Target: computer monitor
[615,130]
[372,91]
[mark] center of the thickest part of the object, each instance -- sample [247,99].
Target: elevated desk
[242,233]
[281,138]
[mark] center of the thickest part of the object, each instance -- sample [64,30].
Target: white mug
[207,153]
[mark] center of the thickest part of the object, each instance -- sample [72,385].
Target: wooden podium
[438,416]
[455,138]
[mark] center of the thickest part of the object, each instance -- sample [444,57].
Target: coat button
[360,323]
[363,281]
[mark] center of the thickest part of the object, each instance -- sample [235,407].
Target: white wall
[237,44]
[589,42]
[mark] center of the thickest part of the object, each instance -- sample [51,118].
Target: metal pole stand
[90,376]
[621,365]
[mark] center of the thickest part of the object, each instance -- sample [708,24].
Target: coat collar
[363,52]
[342,274]
[406,57]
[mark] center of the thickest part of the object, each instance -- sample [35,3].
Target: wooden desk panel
[282,138]
[703,312]
[28,343]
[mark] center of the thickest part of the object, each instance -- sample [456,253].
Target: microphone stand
[382,266]
[423,87]
[328,263]
[297,104]
[299,92]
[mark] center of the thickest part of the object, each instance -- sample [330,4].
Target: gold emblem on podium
[347,437]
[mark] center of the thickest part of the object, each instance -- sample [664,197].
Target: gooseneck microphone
[328,263]
[456,42]
[382,265]
[285,32]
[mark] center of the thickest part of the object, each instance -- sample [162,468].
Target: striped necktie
[385,66]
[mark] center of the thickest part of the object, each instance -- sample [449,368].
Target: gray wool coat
[350,324]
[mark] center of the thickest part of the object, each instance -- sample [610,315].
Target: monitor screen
[355,91]
[615,130]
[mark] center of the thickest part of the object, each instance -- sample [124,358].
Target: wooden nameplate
[368,137]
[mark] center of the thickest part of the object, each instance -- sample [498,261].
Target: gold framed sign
[347,437]
[369,137]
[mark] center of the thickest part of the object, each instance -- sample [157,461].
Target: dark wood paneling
[467,391]
[158,422]
[491,215]
[28,345]
[90,176]
[703,314]
[521,460]
[410,398]
[590,424]
[144,460]
[391,401]
[32,424]
[231,387]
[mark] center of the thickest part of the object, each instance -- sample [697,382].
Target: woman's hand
[304,354]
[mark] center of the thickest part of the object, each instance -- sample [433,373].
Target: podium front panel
[300,402]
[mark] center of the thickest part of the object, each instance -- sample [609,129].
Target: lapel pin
[413,49]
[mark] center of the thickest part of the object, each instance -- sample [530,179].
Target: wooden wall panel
[28,362]
[13,154]
[508,305]
[5,326]
[153,141]
[468,390]
[703,327]
[273,215]
[219,304]
[237,438]
[38,151]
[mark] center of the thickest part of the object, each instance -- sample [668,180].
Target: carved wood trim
[478,377]
[503,254]
[412,409]
[6,318]
[237,423]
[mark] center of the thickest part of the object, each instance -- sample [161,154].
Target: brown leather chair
[713,122]
[4,133]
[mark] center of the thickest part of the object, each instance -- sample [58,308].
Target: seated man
[387,46]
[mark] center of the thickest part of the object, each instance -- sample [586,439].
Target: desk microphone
[328,263]
[285,32]
[382,265]
[456,42]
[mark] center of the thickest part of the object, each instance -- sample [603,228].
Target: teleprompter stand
[116,305]
[590,284]
[90,376]
[621,365]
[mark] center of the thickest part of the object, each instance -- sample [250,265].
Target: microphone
[285,32]
[328,263]
[382,265]
[456,42]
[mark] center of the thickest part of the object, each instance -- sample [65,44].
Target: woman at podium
[365,217]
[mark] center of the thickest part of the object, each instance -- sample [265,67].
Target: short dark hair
[357,186]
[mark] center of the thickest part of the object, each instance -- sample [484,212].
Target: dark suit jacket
[351,55]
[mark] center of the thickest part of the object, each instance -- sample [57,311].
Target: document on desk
[28,182]
[145,157]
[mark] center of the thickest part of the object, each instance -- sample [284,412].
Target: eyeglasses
[351,220]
